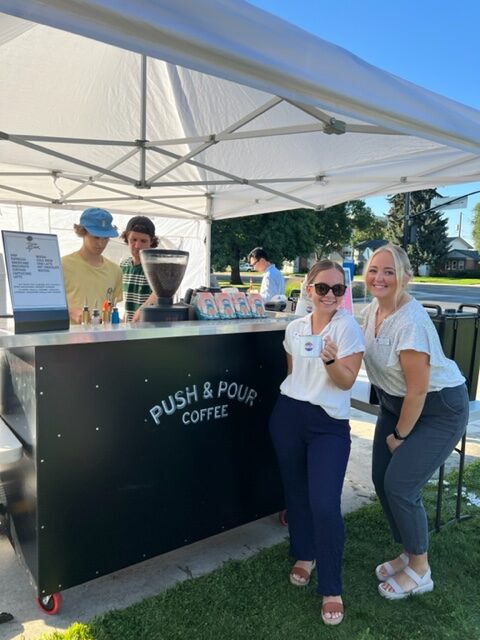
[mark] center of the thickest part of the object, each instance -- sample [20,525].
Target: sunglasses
[321,289]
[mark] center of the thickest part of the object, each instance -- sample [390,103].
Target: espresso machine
[164,270]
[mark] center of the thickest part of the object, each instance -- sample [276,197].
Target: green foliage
[396,219]
[476,226]
[359,290]
[431,244]
[468,278]
[366,225]
[288,234]
[333,230]
[346,224]
[284,235]
[76,632]
[292,284]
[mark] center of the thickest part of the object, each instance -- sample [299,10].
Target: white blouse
[408,328]
[309,380]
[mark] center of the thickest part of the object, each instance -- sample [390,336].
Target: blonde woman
[423,414]
[311,433]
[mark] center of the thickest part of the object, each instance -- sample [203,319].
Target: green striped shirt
[135,286]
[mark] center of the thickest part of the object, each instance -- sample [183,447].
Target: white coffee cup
[311,346]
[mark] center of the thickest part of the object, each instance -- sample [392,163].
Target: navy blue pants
[312,450]
[400,477]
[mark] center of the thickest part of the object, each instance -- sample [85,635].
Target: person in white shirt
[273,282]
[311,432]
[423,414]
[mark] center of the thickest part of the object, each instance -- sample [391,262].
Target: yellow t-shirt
[83,282]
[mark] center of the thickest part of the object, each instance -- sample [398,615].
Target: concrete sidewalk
[123,588]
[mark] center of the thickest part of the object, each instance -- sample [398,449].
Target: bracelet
[330,361]
[397,436]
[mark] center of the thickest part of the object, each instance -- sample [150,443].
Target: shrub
[358,290]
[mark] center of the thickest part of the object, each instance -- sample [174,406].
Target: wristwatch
[397,436]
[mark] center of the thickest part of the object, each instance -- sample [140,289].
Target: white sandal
[423,585]
[389,569]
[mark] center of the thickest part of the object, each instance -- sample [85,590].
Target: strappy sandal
[390,571]
[423,584]
[299,576]
[333,607]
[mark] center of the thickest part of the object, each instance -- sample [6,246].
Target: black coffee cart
[136,440]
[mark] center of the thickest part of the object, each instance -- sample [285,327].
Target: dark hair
[153,242]
[324,265]
[258,253]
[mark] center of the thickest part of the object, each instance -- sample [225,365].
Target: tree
[332,230]
[340,225]
[288,234]
[284,235]
[430,244]
[476,226]
[366,225]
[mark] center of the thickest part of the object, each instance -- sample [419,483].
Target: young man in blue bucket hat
[90,279]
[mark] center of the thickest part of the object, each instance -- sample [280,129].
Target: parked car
[246,266]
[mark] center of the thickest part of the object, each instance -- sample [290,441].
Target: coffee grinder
[164,270]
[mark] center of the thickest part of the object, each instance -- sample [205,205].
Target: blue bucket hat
[98,222]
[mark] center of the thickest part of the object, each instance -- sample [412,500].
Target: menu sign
[35,279]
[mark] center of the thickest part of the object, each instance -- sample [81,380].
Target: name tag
[385,342]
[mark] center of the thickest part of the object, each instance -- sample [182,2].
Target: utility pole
[406,220]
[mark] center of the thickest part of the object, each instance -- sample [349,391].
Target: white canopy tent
[202,110]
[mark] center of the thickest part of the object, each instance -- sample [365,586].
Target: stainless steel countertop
[139,331]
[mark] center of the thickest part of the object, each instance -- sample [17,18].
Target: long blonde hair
[403,268]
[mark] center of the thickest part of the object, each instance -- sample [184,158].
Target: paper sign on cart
[35,279]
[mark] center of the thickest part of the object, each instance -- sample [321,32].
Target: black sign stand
[35,279]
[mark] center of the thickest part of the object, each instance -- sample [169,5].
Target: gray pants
[400,478]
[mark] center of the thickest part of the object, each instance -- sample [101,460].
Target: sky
[433,43]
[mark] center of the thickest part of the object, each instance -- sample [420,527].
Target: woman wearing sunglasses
[311,433]
[423,414]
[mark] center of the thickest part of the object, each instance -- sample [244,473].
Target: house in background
[363,250]
[303,264]
[461,256]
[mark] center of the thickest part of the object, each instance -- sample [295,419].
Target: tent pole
[208,239]
[143,119]
[20,218]
[406,221]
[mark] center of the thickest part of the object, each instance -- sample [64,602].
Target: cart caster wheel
[282,517]
[50,604]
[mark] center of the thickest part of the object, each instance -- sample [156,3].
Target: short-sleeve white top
[408,328]
[309,380]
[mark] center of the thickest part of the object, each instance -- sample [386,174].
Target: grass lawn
[453,281]
[253,600]
[294,281]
